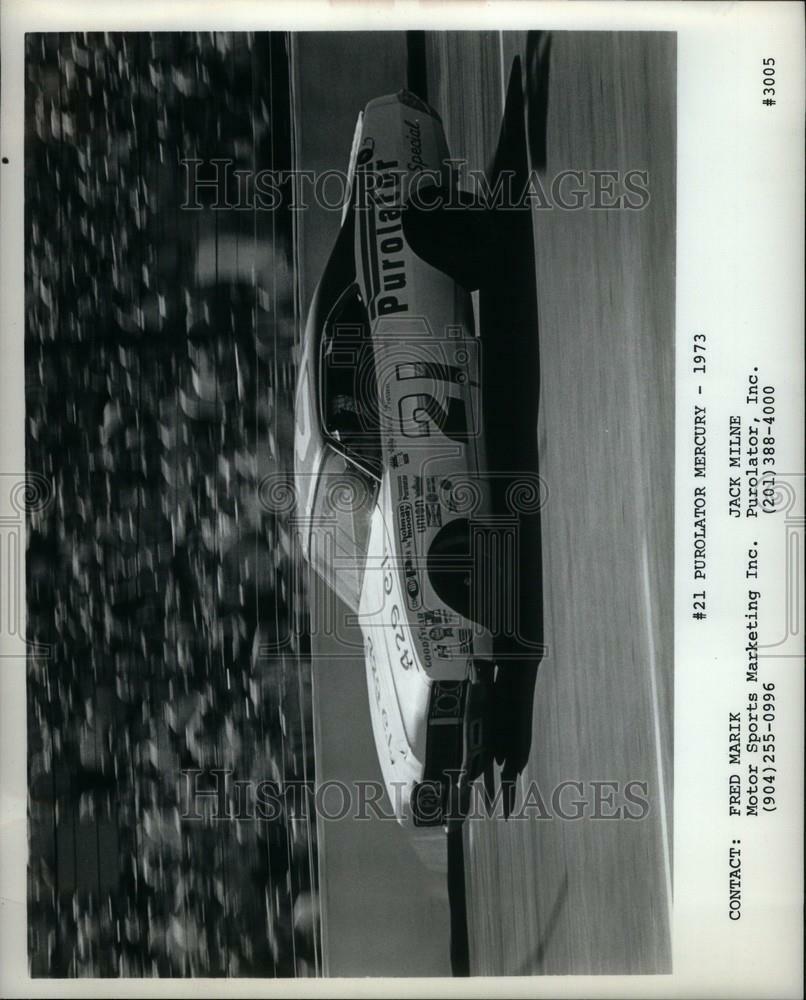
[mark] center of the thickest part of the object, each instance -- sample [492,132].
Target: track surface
[555,896]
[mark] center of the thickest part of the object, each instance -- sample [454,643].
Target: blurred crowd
[164,596]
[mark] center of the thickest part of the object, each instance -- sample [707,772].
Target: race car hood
[397,686]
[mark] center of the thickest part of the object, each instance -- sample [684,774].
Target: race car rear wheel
[452,233]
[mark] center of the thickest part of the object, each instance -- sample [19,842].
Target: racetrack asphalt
[593,895]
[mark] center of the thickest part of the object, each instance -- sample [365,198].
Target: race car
[392,499]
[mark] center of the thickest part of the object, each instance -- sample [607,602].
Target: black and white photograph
[341,664]
[356,511]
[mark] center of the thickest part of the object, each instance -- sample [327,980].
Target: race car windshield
[349,393]
[345,498]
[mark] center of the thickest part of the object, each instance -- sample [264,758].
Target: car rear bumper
[458,748]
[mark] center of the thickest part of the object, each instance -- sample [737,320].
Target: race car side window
[339,272]
[349,393]
[342,510]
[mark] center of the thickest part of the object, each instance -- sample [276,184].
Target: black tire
[514,688]
[456,236]
[450,567]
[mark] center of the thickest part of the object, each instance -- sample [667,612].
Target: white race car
[389,461]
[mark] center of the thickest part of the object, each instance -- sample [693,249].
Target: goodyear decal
[404,523]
